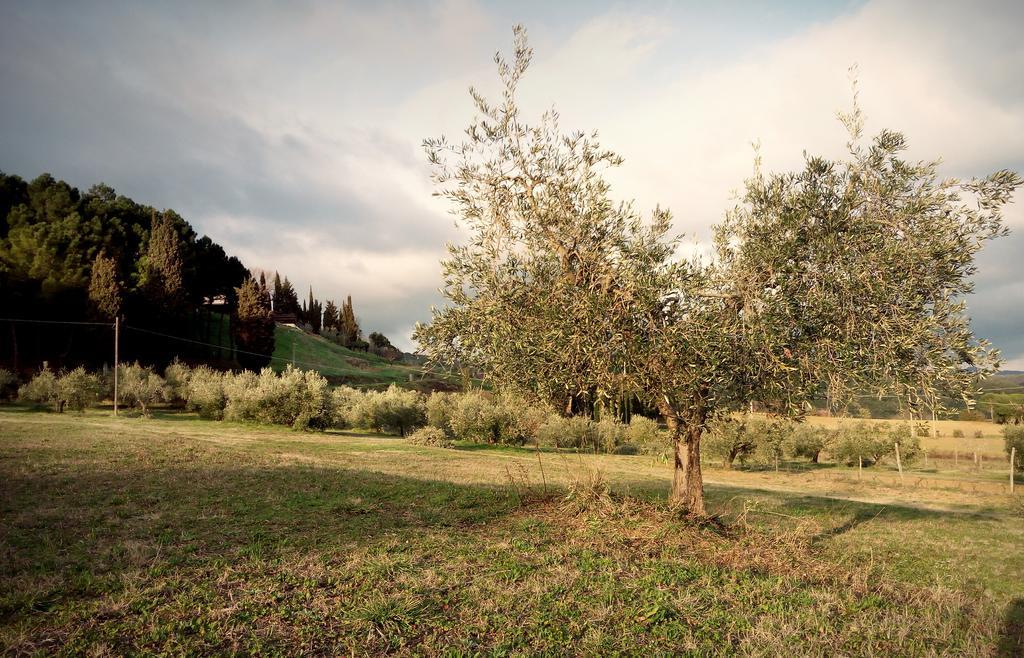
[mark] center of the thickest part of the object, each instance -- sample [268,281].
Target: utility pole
[117,344]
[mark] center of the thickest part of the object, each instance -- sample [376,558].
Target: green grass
[175,535]
[341,364]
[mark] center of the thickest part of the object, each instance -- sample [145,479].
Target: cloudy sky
[290,132]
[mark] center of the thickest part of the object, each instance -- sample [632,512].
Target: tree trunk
[687,480]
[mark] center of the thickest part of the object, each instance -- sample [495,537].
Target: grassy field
[990,443]
[184,536]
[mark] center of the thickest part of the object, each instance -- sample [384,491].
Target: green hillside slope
[344,366]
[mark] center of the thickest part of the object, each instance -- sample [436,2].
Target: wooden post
[860,466]
[117,345]
[926,458]
[956,458]
[899,463]
[1013,456]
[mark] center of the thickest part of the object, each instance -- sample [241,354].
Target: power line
[94,324]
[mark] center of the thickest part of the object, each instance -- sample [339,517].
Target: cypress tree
[253,326]
[104,288]
[348,325]
[278,293]
[161,272]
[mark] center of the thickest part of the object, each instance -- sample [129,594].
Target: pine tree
[104,288]
[330,321]
[253,326]
[289,300]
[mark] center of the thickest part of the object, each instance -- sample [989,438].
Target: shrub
[609,433]
[873,442]
[297,398]
[42,389]
[403,410]
[476,417]
[807,442]
[626,449]
[396,410]
[78,389]
[430,436]
[958,434]
[729,439]
[770,436]
[978,434]
[139,386]
[522,420]
[1013,437]
[345,401]
[177,375]
[575,432]
[204,393]
[856,443]
[645,434]
[910,446]
[440,407]
[8,382]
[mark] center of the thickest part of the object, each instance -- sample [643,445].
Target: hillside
[341,365]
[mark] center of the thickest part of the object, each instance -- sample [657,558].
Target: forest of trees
[70,262]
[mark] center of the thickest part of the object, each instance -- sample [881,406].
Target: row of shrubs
[304,400]
[75,390]
[752,440]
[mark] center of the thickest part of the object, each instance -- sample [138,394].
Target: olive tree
[845,275]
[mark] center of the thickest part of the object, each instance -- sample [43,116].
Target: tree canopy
[845,275]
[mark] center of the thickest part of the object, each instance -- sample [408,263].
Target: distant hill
[341,365]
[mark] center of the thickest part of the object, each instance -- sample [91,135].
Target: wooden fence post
[899,463]
[1013,455]
[860,466]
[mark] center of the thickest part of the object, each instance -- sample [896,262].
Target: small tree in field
[847,275]
[139,386]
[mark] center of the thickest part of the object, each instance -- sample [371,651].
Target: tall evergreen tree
[278,293]
[289,300]
[348,326]
[253,326]
[264,292]
[162,277]
[104,288]
[330,321]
